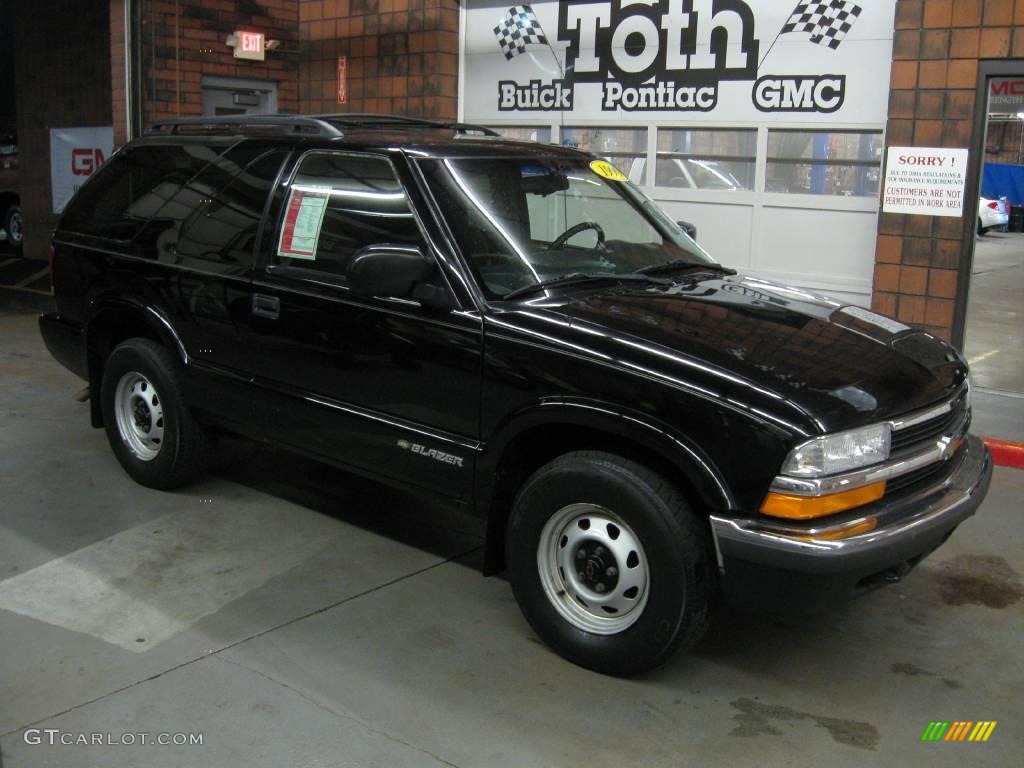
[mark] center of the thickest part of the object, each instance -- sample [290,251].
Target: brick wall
[936,51]
[401,56]
[61,80]
[183,41]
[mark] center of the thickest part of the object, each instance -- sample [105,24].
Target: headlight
[841,452]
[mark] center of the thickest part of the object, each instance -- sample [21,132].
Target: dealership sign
[1006,95]
[75,153]
[633,58]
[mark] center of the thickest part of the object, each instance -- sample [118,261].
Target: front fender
[674,447]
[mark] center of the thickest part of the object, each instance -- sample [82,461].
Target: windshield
[524,221]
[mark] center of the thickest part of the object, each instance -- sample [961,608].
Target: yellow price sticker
[608,171]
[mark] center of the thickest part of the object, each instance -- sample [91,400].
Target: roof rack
[301,124]
[330,125]
[367,119]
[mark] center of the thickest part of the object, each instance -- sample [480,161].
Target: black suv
[514,327]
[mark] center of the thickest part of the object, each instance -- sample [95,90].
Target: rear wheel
[608,563]
[148,424]
[14,226]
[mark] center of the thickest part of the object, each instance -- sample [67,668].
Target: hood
[760,345]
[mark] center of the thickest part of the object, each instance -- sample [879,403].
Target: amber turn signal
[809,507]
[865,526]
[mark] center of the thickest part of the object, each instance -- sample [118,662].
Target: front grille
[918,477]
[928,432]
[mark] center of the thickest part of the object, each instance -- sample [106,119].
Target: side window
[339,204]
[118,201]
[225,205]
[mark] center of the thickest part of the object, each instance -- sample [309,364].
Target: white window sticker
[888,324]
[302,222]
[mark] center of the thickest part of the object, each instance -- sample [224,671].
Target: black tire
[981,229]
[595,487]
[142,382]
[13,226]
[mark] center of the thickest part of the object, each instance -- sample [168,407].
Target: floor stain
[755,719]
[912,670]
[979,580]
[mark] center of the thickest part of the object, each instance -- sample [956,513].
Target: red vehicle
[10,202]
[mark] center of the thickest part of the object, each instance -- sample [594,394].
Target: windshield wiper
[684,264]
[585,277]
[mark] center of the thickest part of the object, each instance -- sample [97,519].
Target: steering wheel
[572,231]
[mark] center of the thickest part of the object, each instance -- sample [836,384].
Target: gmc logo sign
[86,160]
[823,93]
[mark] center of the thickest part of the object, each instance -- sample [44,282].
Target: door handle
[266,306]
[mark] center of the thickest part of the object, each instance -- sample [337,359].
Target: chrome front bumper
[908,527]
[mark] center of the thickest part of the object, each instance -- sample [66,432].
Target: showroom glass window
[706,158]
[541,134]
[839,163]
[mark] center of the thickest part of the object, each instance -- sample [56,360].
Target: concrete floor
[295,616]
[994,343]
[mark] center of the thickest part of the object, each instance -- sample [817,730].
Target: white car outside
[993,214]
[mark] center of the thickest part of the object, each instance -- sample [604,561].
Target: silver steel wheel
[15,233]
[140,415]
[593,569]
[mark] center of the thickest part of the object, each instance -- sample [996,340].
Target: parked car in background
[993,214]
[10,200]
[685,173]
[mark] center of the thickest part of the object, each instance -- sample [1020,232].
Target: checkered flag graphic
[827,21]
[518,29]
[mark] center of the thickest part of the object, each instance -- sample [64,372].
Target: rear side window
[339,204]
[214,217]
[118,201]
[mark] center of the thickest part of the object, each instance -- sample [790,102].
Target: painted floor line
[1000,392]
[984,356]
[33,277]
[26,290]
[5,262]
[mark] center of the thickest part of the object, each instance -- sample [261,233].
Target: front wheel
[608,563]
[149,427]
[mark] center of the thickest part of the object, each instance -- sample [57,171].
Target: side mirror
[688,228]
[387,270]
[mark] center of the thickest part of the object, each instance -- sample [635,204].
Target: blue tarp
[999,179]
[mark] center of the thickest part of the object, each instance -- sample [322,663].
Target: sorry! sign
[927,181]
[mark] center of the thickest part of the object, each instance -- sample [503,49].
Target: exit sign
[250,45]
